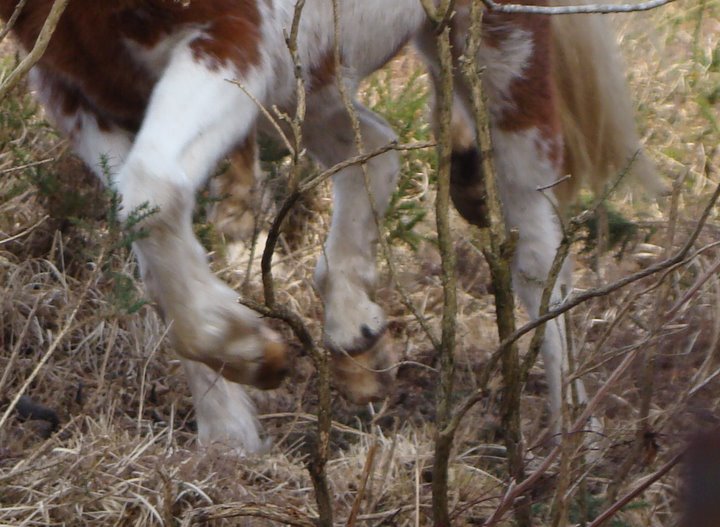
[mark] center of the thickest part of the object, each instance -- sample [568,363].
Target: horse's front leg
[173,263]
[346,272]
[195,116]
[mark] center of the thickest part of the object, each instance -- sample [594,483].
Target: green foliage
[621,231]
[17,119]
[124,233]
[17,113]
[124,296]
[403,215]
[23,135]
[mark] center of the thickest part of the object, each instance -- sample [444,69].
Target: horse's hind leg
[527,148]
[346,271]
[528,152]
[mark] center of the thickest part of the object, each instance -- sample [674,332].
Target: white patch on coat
[156,58]
[503,65]
[370,34]
[195,116]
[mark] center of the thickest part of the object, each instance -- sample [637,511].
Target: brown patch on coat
[467,186]
[323,73]
[275,366]
[91,63]
[532,95]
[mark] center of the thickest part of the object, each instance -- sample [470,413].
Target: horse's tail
[596,111]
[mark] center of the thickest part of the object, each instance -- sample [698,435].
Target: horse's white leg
[532,214]
[527,144]
[195,116]
[346,272]
[224,411]
[527,147]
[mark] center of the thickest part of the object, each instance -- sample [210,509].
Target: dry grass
[125,453]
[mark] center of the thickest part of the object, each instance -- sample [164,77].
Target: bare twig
[579,424]
[317,462]
[367,470]
[13,18]
[26,165]
[498,246]
[576,9]
[444,95]
[37,51]
[619,504]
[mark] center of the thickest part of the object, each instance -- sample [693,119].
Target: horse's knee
[155,191]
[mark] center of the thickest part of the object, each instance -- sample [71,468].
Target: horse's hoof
[365,377]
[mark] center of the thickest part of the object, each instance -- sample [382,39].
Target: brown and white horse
[141,87]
